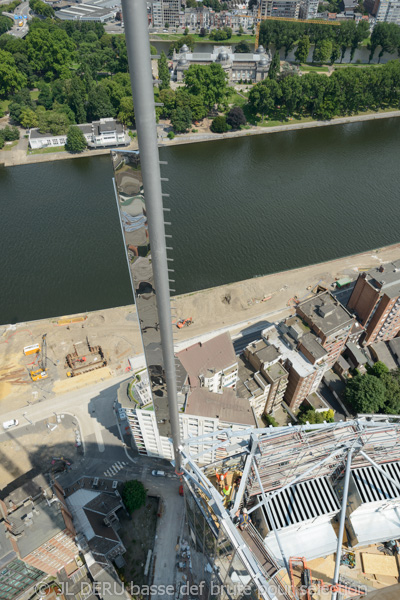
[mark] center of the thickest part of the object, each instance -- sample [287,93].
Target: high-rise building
[331,323]
[388,11]
[164,11]
[375,301]
[309,9]
[280,8]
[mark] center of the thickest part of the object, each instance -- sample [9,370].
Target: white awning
[314,541]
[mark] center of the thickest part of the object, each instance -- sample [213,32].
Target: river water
[239,208]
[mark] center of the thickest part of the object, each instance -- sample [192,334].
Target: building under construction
[306,488]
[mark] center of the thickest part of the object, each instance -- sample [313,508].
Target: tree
[202,32]
[208,81]
[263,96]
[163,72]
[275,66]
[28,118]
[242,48]
[11,79]
[312,416]
[45,97]
[303,49]
[127,112]
[133,495]
[322,51]
[379,369]
[241,30]
[181,119]
[219,125]
[235,117]
[99,105]
[365,393]
[49,52]
[186,30]
[76,141]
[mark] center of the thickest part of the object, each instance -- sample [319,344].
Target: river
[239,208]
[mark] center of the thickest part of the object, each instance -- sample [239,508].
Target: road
[21,10]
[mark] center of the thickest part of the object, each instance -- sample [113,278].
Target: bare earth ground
[234,306]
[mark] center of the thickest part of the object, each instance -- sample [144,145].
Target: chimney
[381,269]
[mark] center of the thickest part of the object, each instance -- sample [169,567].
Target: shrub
[269,420]
[171,135]
[219,125]
[133,495]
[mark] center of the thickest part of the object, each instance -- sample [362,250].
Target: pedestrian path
[115,468]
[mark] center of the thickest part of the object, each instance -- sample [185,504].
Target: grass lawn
[235,39]
[359,65]
[308,67]
[46,150]
[4,105]
[9,146]
[34,95]
[237,100]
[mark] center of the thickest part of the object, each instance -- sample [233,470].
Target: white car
[158,473]
[122,414]
[9,424]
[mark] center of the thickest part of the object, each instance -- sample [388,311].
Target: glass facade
[16,577]
[132,212]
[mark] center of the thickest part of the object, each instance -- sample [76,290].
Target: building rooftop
[246,385]
[343,364]
[357,353]
[6,550]
[275,371]
[380,351]
[312,345]
[317,402]
[203,359]
[36,524]
[30,489]
[394,346]
[326,313]
[226,407]
[386,278]
[288,351]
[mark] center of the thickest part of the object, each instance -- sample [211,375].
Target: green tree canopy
[208,81]
[365,393]
[11,79]
[76,141]
[163,72]
[127,112]
[235,117]
[275,66]
[303,49]
[313,417]
[242,48]
[133,495]
[181,119]
[219,125]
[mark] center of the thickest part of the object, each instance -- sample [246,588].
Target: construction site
[299,512]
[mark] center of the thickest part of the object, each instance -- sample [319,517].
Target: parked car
[158,473]
[122,414]
[9,424]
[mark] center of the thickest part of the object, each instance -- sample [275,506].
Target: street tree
[133,495]
[76,141]
[163,72]
[181,119]
[322,51]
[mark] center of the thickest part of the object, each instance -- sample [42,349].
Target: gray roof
[265,352]
[87,128]
[107,126]
[6,550]
[226,407]
[30,489]
[388,280]
[382,353]
[36,524]
[326,313]
[203,358]
[275,371]
[310,343]
[394,346]
[104,503]
[357,353]
[343,364]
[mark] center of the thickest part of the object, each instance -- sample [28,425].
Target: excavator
[184,322]
[41,373]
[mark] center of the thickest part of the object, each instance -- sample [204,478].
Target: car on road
[9,424]
[122,414]
[158,473]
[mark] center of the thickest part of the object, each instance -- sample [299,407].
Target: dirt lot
[31,450]
[137,533]
[117,332]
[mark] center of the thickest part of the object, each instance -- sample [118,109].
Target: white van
[9,424]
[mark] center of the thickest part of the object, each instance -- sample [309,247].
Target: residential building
[212,364]
[16,577]
[42,534]
[388,11]
[270,374]
[238,67]
[309,9]
[331,323]
[301,355]
[99,134]
[375,301]
[164,11]
[289,9]
[380,351]
[196,18]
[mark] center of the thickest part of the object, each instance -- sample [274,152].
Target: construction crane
[41,373]
[265,17]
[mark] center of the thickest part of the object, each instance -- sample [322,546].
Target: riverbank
[18,155]
[239,308]
[206,137]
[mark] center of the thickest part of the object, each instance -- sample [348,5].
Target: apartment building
[196,18]
[309,9]
[330,322]
[387,11]
[270,374]
[164,11]
[375,301]
[301,355]
[289,9]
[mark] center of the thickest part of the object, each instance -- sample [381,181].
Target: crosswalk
[115,468]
